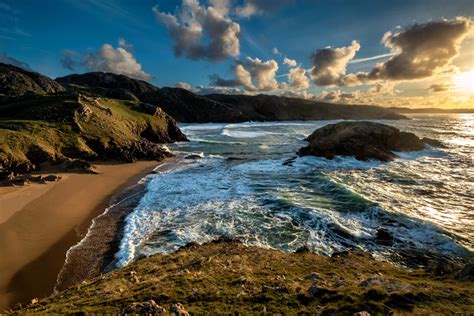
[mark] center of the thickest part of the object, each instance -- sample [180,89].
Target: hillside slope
[227,277]
[186,106]
[37,131]
[16,81]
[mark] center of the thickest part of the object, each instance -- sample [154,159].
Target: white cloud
[289,62]
[184,85]
[118,60]
[330,64]
[298,79]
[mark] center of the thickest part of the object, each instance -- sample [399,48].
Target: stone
[362,313]
[178,309]
[143,308]
[363,140]
[52,178]
[466,273]
[384,237]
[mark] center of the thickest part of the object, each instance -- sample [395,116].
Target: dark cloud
[201,32]
[118,60]
[4,58]
[422,49]
[419,51]
[439,87]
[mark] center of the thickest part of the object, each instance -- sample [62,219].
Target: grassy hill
[227,277]
[39,130]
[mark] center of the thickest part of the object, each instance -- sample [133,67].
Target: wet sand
[40,222]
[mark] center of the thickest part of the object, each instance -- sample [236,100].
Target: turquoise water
[241,189]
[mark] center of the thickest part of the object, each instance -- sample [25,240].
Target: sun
[464,81]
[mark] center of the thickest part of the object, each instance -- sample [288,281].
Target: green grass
[228,277]
[64,126]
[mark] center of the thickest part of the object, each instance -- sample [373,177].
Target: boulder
[178,310]
[467,273]
[361,139]
[143,308]
[384,237]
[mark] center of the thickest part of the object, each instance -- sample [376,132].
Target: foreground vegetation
[229,277]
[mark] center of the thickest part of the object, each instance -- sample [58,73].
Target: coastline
[40,222]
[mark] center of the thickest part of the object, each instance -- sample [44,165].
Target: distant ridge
[430,110]
[185,106]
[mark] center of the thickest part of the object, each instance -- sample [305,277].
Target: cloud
[184,85]
[417,52]
[298,94]
[275,51]
[4,58]
[338,96]
[118,60]
[201,90]
[329,64]
[253,74]
[260,7]
[290,62]
[421,50]
[439,87]
[297,78]
[202,33]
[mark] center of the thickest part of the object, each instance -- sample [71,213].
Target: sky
[416,53]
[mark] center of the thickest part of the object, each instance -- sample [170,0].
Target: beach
[40,222]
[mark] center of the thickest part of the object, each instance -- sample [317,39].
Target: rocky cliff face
[41,131]
[363,140]
[15,81]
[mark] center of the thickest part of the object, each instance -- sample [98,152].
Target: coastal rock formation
[15,81]
[65,131]
[363,140]
[226,277]
[187,107]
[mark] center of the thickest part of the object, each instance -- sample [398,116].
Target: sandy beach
[40,222]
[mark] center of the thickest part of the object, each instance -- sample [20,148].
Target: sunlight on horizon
[464,82]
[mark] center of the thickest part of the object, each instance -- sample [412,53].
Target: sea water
[239,187]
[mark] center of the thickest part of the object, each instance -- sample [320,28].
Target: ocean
[236,185]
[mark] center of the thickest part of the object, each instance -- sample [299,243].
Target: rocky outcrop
[66,131]
[15,81]
[363,140]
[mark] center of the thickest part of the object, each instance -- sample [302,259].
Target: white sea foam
[423,198]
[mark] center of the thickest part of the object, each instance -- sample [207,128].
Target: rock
[362,313]
[467,273]
[51,178]
[384,237]
[432,142]
[36,179]
[178,309]
[193,156]
[303,249]
[313,276]
[77,165]
[275,289]
[34,301]
[363,140]
[143,308]
[289,161]
[440,267]
[316,290]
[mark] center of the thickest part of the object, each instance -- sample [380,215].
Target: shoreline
[95,253]
[39,223]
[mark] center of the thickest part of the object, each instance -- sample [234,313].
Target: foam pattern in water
[241,189]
